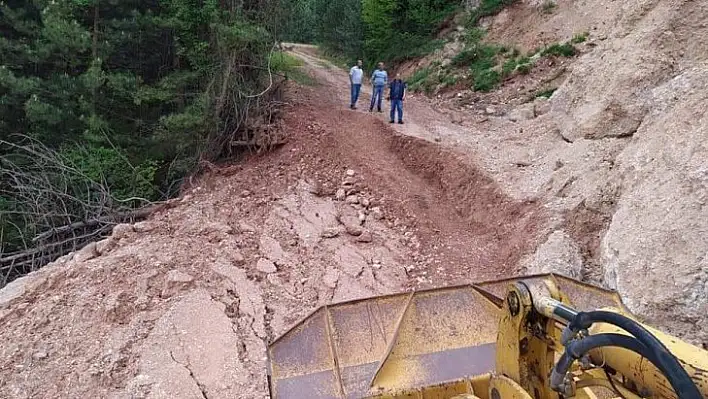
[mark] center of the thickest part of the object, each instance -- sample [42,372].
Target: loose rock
[271,248]
[105,246]
[122,230]
[266,266]
[330,232]
[541,106]
[522,113]
[175,282]
[86,253]
[331,277]
[354,230]
[365,237]
[144,226]
[362,217]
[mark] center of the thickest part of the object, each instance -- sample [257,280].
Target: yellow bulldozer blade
[435,344]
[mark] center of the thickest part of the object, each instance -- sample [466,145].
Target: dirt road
[183,305]
[422,120]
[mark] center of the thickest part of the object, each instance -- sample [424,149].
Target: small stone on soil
[330,232]
[362,217]
[365,236]
[354,230]
[266,266]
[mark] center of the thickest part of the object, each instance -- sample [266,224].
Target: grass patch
[560,50]
[545,93]
[524,69]
[465,57]
[522,65]
[486,80]
[487,8]
[449,81]
[579,38]
[509,66]
[290,66]
[474,35]
[420,81]
[475,55]
[548,6]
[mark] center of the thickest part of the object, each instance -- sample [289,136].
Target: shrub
[465,57]
[579,38]
[560,50]
[487,8]
[474,35]
[417,80]
[524,69]
[449,80]
[290,66]
[548,6]
[486,80]
[509,66]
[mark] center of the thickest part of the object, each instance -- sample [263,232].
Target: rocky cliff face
[631,115]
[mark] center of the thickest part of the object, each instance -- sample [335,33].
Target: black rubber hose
[576,350]
[665,361]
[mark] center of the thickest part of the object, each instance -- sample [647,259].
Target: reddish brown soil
[468,228]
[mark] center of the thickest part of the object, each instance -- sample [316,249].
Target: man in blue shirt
[355,77]
[396,94]
[379,79]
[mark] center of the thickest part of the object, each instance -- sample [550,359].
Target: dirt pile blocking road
[182,305]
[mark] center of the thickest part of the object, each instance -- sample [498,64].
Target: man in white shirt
[356,74]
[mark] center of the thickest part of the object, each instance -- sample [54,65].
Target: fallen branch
[108,219]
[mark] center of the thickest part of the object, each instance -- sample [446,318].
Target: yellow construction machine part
[495,340]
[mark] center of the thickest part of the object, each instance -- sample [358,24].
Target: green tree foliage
[131,93]
[376,30]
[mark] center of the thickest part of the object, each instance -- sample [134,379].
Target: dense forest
[106,105]
[373,30]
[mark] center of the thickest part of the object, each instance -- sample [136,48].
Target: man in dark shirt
[397,92]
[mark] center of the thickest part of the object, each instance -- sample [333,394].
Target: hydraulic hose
[577,349]
[653,349]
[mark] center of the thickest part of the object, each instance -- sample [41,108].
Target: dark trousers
[397,106]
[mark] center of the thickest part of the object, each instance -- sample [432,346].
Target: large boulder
[559,254]
[656,248]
